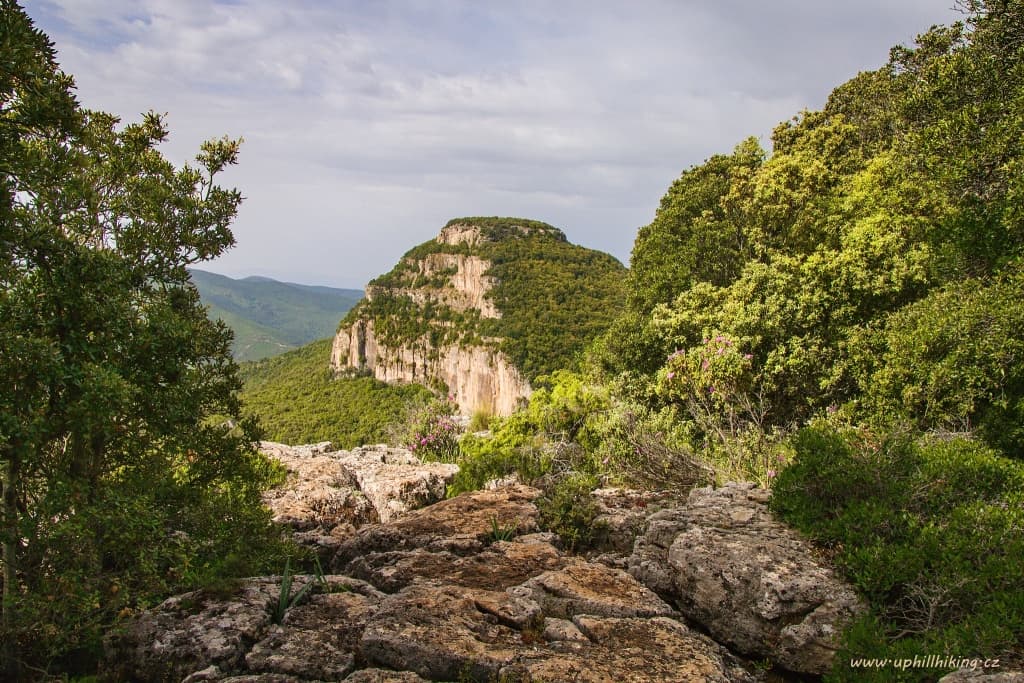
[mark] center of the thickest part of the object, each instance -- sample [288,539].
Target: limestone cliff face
[479,377]
[439,297]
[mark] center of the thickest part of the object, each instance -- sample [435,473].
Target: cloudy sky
[369,123]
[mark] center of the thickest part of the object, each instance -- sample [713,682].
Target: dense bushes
[953,361]
[930,531]
[118,486]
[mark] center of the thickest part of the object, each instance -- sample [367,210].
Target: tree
[117,484]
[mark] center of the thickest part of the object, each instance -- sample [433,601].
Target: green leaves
[110,367]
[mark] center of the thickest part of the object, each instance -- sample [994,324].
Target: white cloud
[368,125]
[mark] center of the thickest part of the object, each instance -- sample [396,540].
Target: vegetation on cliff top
[554,297]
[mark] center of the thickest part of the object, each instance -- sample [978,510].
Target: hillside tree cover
[269,317]
[297,399]
[117,489]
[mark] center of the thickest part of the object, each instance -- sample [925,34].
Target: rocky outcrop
[470,589]
[447,596]
[481,309]
[755,584]
[477,375]
[330,493]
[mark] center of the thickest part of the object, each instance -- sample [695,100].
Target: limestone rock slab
[754,583]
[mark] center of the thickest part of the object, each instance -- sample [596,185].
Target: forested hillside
[297,400]
[270,317]
[838,318]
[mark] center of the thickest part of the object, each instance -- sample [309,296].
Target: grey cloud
[369,124]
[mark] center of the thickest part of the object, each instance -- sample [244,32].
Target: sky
[368,124]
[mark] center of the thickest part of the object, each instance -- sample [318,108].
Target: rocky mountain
[482,310]
[270,317]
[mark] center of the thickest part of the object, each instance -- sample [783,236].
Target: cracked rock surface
[437,594]
[753,583]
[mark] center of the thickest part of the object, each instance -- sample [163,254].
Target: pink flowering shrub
[716,384]
[714,374]
[433,432]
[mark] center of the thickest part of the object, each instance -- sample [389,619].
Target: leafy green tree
[116,485]
[695,235]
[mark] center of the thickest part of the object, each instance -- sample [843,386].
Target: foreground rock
[465,589]
[461,526]
[752,582]
[331,493]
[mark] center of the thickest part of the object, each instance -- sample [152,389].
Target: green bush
[568,509]
[509,450]
[951,361]
[930,531]
[558,431]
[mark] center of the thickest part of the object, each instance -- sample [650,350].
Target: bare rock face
[461,525]
[477,376]
[320,492]
[394,480]
[499,566]
[331,493]
[622,513]
[191,633]
[755,584]
[384,676]
[587,588]
[469,589]
[658,649]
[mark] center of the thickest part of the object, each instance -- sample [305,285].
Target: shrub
[431,432]
[952,361]
[715,385]
[568,509]
[652,450]
[480,421]
[930,530]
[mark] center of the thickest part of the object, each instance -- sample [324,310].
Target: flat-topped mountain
[483,309]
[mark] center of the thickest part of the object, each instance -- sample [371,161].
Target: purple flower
[670,375]
[705,365]
[748,356]
[772,474]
